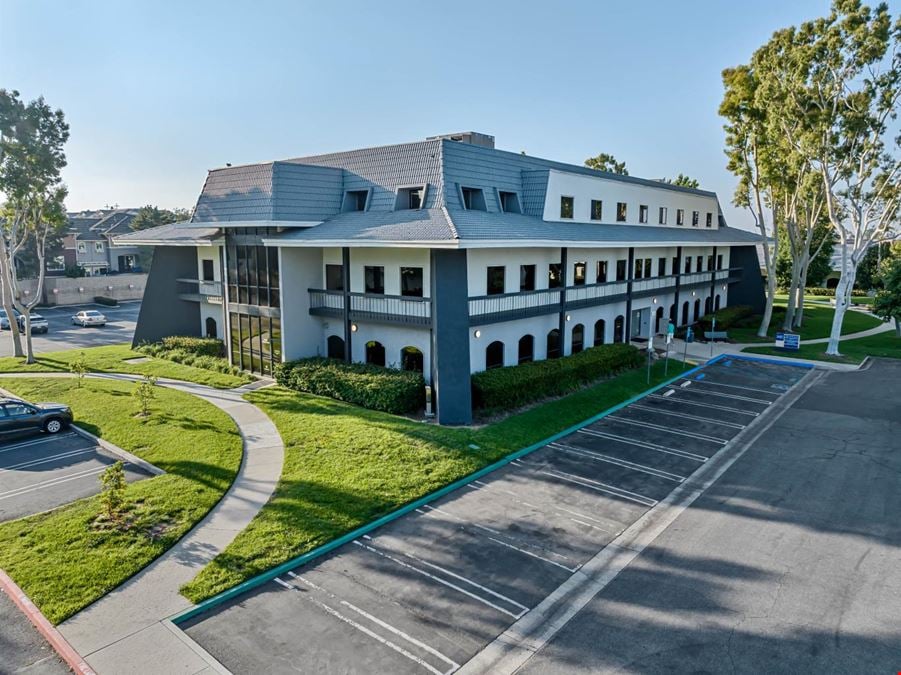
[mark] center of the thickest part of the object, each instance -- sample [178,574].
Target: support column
[713,279]
[678,273]
[630,275]
[450,336]
[561,319]
[345,283]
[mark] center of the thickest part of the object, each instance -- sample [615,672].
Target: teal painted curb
[269,575]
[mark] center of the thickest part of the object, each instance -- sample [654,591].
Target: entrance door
[641,322]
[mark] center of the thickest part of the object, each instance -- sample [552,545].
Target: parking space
[426,592]
[41,472]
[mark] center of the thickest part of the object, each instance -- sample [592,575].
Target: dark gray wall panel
[750,290]
[162,312]
[450,337]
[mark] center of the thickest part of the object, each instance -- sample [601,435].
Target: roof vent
[471,137]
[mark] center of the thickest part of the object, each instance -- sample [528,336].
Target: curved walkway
[126,631]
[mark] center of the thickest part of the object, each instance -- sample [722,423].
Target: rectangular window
[209,273]
[661,218]
[710,263]
[554,275]
[699,267]
[621,212]
[494,284]
[527,277]
[688,264]
[411,282]
[694,218]
[709,219]
[473,199]
[647,267]
[719,261]
[639,268]
[566,207]
[601,272]
[680,216]
[334,277]
[409,198]
[580,269]
[643,213]
[82,248]
[375,279]
[621,270]
[98,246]
[597,209]
[661,267]
[355,200]
[509,202]
[675,266]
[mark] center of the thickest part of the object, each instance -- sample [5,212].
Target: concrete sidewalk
[126,631]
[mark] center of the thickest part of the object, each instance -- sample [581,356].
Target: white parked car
[89,317]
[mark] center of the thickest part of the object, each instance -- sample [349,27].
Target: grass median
[115,359]
[886,345]
[59,558]
[345,466]
[817,324]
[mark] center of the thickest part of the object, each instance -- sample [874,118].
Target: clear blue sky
[157,92]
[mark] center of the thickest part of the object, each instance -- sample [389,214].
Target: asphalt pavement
[22,648]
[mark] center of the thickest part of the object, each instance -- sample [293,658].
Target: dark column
[749,290]
[345,283]
[561,322]
[678,273]
[162,312]
[450,336]
[630,268]
[713,279]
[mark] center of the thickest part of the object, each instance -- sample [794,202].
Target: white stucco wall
[210,309]
[392,338]
[392,259]
[299,270]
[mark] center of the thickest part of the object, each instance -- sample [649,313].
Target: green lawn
[58,558]
[112,359]
[826,299]
[346,466]
[817,324]
[886,344]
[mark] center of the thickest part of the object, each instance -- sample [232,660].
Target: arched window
[335,347]
[659,327]
[411,359]
[716,303]
[600,331]
[494,355]
[211,327]
[685,313]
[697,309]
[526,348]
[674,313]
[578,338]
[707,305]
[553,344]
[375,353]
[618,327]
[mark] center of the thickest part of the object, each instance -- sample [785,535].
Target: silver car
[38,323]
[89,317]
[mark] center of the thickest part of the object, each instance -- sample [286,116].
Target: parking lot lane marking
[712,406]
[643,444]
[600,457]
[431,650]
[657,427]
[44,460]
[363,629]
[732,396]
[738,386]
[685,384]
[445,582]
[38,441]
[52,482]
[509,545]
[601,487]
[695,418]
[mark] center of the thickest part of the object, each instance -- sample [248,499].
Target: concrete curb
[119,452]
[72,658]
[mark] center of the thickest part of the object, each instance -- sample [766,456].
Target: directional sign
[780,340]
[792,341]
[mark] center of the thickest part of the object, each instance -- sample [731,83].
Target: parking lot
[63,335]
[428,591]
[41,472]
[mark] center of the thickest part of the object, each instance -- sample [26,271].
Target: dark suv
[17,415]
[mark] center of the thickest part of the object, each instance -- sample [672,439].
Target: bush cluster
[201,346]
[726,318]
[813,290]
[206,353]
[369,386]
[515,386]
[103,300]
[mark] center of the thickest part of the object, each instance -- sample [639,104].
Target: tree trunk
[768,308]
[792,297]
[898,327]
[802,285]
[842,299]
[6,273]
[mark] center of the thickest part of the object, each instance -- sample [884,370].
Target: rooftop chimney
[471,137]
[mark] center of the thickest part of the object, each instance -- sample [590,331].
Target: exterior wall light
[693,293]
[655,301]
[569,317]
[724,287]
[477,333]
[353,328]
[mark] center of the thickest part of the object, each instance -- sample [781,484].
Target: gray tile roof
[431,225]
[172,234]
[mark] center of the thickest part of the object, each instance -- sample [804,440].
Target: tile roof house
[89,242]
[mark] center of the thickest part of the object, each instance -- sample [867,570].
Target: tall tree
[887,303]
[153,216]
[683,181]
[607,162]
[32,137]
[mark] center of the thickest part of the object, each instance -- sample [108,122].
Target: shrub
[726,318]
[200,346]
[365,385]
[515,386]
[812,290]
[103,300]
[206,353]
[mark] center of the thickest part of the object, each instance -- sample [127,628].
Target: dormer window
[643,213]
[473,199]
[597,209]
[566,207]
[410,198]
[709,219]
[694,218]
[621,212]
[680,216]
[509,202]
[355,200]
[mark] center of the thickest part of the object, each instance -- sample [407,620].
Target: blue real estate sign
[791,341]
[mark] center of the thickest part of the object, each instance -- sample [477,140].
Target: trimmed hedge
[366,385]
[201,346]
[103,300]
[726,318]
[515,386]
[812,290]
[206,353]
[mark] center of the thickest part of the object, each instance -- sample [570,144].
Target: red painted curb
[53,636]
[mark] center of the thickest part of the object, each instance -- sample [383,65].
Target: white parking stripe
[44,460]
[702,405]
[447,583]
[49,439]
[695,390]
[669,430]
[52,482]
[643,444]
[482,485]
[454,666]
[601,487]
[695,418]
[619,462]
[375,636]
[737,386]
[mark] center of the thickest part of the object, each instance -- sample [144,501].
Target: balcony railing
[522,304]
[198,290]
[365,306]
[651,284]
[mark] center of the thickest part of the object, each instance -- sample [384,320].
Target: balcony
[367,307]
[492,308]
[198,290]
